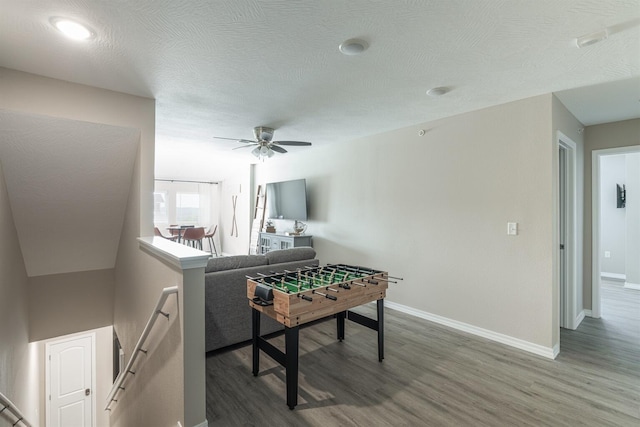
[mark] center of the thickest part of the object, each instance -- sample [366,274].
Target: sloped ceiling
[221,67]
[68,183]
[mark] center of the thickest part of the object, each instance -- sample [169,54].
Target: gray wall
[61,304]
[633,220]
[38,95]
[434,210]
[19,369]
[608,135]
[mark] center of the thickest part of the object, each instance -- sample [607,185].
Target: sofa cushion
[289,255]
[235,262]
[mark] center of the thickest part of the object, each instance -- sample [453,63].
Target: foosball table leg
[291,336]
[380,304]
[340,317]
[255,330]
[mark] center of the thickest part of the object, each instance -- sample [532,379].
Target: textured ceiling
[222,67]
[68,183]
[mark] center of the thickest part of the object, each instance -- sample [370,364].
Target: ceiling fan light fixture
[72,29]
[263,133]
[353,46]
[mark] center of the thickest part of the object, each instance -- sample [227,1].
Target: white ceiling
[68,183]
[222,67]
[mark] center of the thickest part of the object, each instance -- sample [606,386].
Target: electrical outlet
[607,254]
[512,228]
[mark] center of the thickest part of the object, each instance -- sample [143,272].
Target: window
[185,203]
[160,207]
[188,208]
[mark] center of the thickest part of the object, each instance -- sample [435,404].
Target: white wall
[613,229]
[434,210]
[236,185]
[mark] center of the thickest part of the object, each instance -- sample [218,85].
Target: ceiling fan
[263,145]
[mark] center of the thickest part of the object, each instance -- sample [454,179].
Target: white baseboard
[615,276]
[588,313]
[548,352]
[579,319]
[556,350]
[205,423]
[630,285]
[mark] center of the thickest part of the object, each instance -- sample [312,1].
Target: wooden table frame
[289,358]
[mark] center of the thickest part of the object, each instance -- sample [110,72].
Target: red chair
[157,232]
[193,236]
[209,236]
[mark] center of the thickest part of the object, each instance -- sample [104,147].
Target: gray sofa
[227,311]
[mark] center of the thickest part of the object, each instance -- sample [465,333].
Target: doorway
[598,251]
[570,315]
[70,381]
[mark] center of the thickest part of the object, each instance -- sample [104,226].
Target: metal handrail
[117,385]
[8,405]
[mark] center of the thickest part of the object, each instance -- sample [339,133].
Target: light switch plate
[512,228]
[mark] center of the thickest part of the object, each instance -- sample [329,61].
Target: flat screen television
[287,200]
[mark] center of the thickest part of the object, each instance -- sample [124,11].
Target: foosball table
[294,298]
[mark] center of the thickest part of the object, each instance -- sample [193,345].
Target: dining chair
[209,236]
[193,236]
[157,232]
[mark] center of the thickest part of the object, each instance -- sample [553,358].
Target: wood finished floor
[436,376]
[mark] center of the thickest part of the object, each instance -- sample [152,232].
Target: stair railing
[117,385]
[8,405]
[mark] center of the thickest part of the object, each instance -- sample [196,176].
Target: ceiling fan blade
[244,146]
[298,143]
[246,141]
[277,149]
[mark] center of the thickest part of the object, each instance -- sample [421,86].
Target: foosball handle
[306,298]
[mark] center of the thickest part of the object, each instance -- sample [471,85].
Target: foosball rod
[321,279]
[331,297]
[272,281]
[373,272]
[320,276]
[363,270]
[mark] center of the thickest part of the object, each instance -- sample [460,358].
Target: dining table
[177,230]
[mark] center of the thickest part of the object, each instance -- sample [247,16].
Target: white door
[70,382]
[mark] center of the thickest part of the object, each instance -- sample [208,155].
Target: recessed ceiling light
[353,46]
[72,29]
[593,38]
[437,91]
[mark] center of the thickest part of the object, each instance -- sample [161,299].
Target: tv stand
[274,241]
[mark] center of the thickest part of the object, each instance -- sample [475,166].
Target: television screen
[287,200]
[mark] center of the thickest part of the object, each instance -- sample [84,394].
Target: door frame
[47,380]
[572,315]
[596,303]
